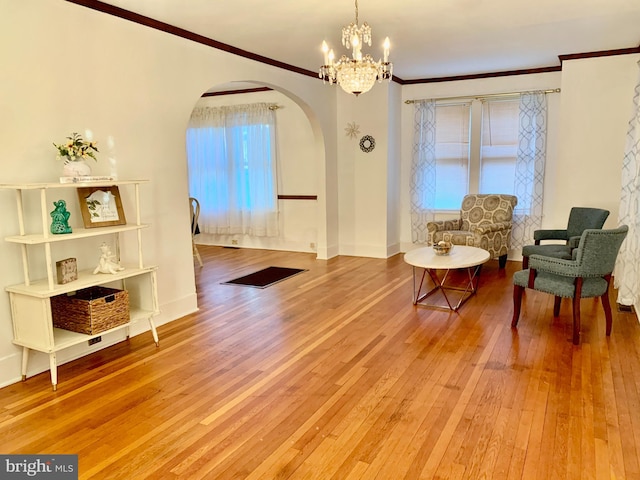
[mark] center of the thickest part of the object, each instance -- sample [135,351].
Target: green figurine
[60,218]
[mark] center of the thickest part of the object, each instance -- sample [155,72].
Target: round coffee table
[459,257]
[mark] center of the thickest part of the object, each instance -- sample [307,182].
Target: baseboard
[393,250]
[325,253]
[369,251]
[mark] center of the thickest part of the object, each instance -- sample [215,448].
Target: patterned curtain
[529,175]
[627,273]
[423,170]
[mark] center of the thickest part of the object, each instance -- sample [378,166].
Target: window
[469,162]
[232,169]
[253,174]
[499,147]
[452,154]
[489,146]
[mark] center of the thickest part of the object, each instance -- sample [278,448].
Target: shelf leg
[154,297]
[53,367]
[154,332]
[25,361]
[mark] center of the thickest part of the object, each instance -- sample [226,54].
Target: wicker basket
[91,310]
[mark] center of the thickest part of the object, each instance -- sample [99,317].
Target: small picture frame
[101,206]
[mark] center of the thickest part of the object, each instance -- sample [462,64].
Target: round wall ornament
[367,143]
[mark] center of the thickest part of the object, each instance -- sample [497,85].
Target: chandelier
[356,74]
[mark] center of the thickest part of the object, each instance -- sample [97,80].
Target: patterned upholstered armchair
[485,221]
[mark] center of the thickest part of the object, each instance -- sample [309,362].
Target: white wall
[596,103]
[297,175]
[67,68]
[394,170]
[364,176]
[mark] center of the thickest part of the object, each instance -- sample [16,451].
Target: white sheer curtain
[627,273]
[231,153]
[529,173]
[423,170]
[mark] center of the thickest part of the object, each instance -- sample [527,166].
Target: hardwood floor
[334,374]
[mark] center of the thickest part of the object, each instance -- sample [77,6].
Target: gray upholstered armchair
[485,221]
[587,275]
[580,218]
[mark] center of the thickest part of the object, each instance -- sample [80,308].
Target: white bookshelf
[30,301]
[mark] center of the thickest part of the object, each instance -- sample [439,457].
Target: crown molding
[475,76]
[602,53]
[235,92]
[180,32]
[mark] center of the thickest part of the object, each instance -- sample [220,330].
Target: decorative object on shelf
[88,179]
[60,217]
[356,74]
[442,248]
[107,263]
[67,270]
[352,130]
[367,143]
[101,206]
[76,168]
[74,152]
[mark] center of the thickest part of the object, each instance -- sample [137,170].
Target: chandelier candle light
[356,74]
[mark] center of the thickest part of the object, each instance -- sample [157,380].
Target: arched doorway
[300,157]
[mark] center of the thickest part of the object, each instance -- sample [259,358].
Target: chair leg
[525,263]
[606,305]
[576,320]
[607,311]
[556,306]
[576,311]
[502,261]
[517,303]
[196,253]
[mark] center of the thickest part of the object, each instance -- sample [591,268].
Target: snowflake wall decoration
[352,130]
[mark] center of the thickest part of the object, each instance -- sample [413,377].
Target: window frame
[476,126]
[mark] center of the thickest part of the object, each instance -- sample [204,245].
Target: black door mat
[265,277]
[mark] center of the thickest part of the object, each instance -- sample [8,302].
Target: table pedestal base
[468,289]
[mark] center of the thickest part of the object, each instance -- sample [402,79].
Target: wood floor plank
[335,374]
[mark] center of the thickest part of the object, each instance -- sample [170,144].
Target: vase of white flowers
[74,153]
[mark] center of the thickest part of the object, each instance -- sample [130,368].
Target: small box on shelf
[66,270]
